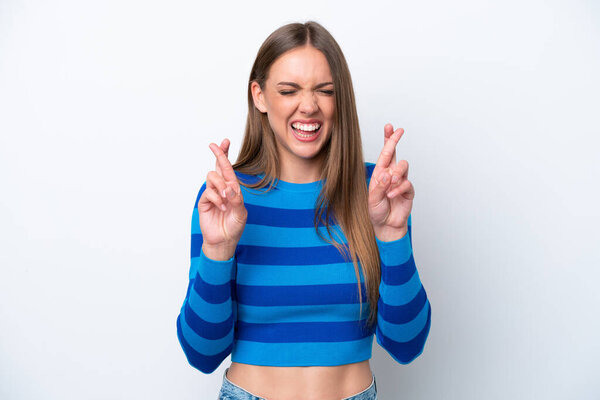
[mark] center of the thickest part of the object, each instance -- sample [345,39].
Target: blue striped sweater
[288,298]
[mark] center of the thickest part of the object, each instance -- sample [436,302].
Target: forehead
[304,64]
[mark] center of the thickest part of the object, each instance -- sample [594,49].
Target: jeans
[231,391]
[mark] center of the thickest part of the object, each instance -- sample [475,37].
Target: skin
[223,216]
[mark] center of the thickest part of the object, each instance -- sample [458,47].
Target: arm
[206,319]
[404,312]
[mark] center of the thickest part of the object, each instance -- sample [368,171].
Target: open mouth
[310,131]
[307,134]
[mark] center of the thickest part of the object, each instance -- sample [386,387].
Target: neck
[301,170]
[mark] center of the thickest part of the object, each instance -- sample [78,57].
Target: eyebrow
[294,84]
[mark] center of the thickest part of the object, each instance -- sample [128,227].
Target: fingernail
[383,177]
[223,207]
[223,193]
[231,193]
[395,179]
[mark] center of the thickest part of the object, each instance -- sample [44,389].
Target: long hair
[344,194]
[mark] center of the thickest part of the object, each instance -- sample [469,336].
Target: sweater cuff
[215,272]
[396,252]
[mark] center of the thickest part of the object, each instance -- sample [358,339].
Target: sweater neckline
[296,187]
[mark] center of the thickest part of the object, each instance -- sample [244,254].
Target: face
[298,90]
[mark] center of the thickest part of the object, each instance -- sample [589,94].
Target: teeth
[305,127]
[303,135]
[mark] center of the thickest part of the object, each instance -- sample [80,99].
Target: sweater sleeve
[205,325]
[403,309]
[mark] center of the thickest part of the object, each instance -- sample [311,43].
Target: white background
[106,112]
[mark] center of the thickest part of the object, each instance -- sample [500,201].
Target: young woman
[301,252]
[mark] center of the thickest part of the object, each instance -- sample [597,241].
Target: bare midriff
[307,383]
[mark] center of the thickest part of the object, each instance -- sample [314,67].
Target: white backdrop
[106,112]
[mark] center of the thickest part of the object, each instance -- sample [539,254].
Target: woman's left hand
[390,192]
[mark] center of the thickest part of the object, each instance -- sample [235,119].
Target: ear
[258,97]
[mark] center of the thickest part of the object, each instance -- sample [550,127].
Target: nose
[308,104]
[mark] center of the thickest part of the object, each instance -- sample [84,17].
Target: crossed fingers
[224,176]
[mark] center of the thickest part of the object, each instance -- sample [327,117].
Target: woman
[298,256]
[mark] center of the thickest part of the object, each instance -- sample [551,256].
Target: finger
[388,152]
[226,169]
[399,178]
[233,196]
[406,189]
[225,147]
[378,190]
[235,202]
[210,198]
[388,130]
[399,172]
[216,181]
[404,164]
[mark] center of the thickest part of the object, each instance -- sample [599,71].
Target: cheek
[282,112]
[329,108]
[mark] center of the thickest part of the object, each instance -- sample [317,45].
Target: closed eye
[287,92]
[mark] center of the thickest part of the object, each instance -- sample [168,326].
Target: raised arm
[404,312]
[206,319]
[205,325]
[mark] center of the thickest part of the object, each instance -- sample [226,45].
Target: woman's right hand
[221,208]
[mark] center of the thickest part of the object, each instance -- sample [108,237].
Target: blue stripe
[406,331]
[213,312]
[280,199]
[282,217]
[290,275]
[195,221]
[399,295]
[204,328]
[196,246]
[319,313]
[369,167]
[405,352]
[404,313]
[212,293]
[302,331]
[215,272]
[207,347]
[398,274]
[343,293]
[396,252]
[262,235]
[200,191]
[264,255]
[206,364]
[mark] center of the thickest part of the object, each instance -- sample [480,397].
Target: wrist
[388,234]
[218,252]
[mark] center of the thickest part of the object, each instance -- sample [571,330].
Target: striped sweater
[288,298]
